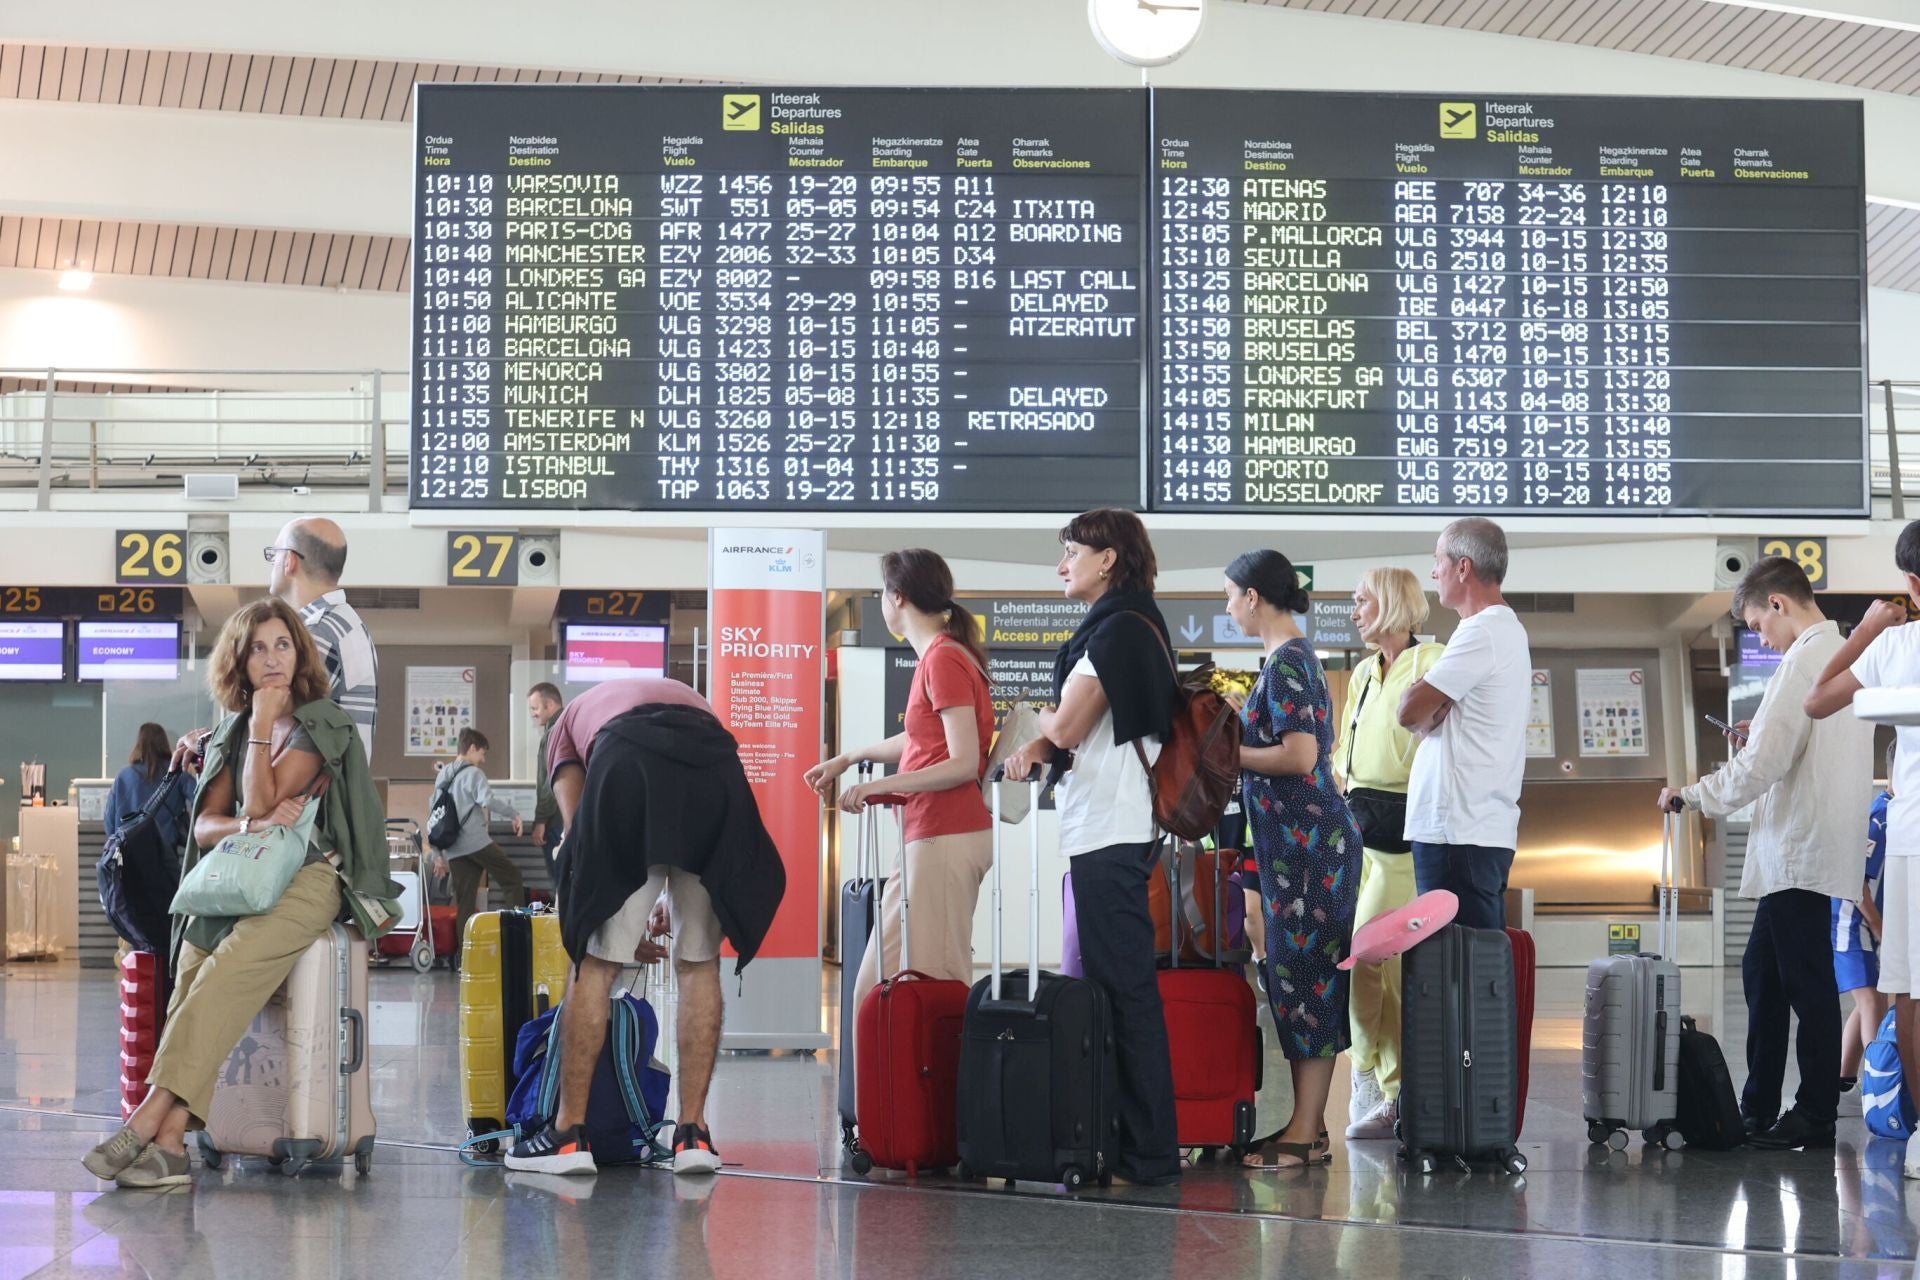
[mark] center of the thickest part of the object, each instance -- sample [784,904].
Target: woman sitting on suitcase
[1307,846]
[282,739]
[1113,683]
[941,755]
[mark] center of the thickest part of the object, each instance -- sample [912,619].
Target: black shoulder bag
[1380,815]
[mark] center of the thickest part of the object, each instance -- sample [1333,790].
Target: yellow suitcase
[513,968]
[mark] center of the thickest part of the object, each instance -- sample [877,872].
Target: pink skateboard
[1387,935]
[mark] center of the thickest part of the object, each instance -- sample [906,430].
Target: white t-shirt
[1465,786]
[1894,659]
[1105,798]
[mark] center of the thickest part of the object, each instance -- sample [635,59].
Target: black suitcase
[1708,1110]
[859,916]
[1460,1061]
[1037,1076]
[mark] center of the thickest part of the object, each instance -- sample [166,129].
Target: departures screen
[1520,305]
[778,299]
[815,299]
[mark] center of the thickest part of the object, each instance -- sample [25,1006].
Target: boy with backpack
[1884,651]
[457,830]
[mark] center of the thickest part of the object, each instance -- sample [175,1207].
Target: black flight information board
[765,299]
[1522,304]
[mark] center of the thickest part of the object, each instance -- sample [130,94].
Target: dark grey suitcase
[1460,1054]
[1037,1084]
[859,916]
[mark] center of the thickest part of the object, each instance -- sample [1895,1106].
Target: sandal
[1299,1155]
[1261,1144]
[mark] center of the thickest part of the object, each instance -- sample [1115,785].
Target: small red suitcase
[1523,965]
[1213,1033]
[142,1014]
[907,1061]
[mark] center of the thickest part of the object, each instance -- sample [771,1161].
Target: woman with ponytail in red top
[939,756]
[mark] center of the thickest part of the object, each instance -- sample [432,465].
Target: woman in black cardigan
[1114,694]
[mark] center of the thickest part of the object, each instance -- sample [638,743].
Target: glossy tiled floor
[786,1208]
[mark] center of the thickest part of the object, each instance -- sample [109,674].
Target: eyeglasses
[270,554]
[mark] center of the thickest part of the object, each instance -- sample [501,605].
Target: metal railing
[287,430]
[305,429]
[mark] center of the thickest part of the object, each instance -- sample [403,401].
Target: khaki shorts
[696,930]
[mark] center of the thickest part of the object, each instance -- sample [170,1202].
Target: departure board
[765,299]
[1523,304]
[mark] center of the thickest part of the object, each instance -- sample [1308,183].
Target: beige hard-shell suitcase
[296,1088]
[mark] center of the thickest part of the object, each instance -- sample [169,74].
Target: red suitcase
[1213,1032]
[1523,964]
[907,1060]
[143,1012]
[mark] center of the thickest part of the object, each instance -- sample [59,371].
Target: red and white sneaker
[553,1151]
[693,1150]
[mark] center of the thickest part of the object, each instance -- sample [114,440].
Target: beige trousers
[218,993]
[946,872]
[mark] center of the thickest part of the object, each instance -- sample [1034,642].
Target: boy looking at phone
[1809,784]
[1885,651]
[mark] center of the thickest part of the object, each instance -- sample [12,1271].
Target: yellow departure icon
[740,111]
[1457,120]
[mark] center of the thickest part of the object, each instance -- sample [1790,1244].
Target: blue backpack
[1888,1110]
[628,1100]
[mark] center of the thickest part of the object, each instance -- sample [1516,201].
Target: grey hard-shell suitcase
[1630,1044]
[1460,1056]
[297,1089]
[860,900]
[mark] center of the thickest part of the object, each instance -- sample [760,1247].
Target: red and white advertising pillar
[766,612]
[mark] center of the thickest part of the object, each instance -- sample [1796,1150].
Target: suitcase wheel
[963,1172]
[1424,1164]
[1617,1140]
[363,1162]
[1597,1133]
[1662,1135]
[1072,1178]
[491,1147]
[1514,1163]
[209,1154]
[862,1162]
[422,955]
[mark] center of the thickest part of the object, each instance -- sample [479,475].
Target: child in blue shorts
[1856,946]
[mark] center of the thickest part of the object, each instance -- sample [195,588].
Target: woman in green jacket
[1374,758]
[283,749]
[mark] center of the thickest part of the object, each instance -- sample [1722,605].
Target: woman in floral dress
[1307,848]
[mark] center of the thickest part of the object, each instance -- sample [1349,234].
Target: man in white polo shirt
[1463,797]
[1884,650]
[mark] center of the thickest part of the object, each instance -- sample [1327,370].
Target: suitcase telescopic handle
[998,777]
[1668,899]
[898,803]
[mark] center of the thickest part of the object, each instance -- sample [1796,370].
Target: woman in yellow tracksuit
[1374,757]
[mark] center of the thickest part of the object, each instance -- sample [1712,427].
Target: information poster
[1540,716]
[1613,711]
[767,684]
[440,704]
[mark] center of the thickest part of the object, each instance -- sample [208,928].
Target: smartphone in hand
[1724,727]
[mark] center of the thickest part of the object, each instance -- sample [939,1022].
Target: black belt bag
[1382,819]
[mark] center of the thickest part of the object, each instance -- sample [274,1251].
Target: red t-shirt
[946,677]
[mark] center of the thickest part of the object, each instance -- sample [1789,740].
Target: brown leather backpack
[1199,766]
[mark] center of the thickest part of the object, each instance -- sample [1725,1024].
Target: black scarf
[1132,657]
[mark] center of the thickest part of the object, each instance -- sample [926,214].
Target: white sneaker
[1913,1157]
[1376,1124]
[1366,1097]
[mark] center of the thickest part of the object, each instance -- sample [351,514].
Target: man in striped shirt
[308,558]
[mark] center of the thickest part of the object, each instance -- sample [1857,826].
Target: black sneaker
[1847,1083]
[551,1151]
[1794,1132]
[693,1150]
